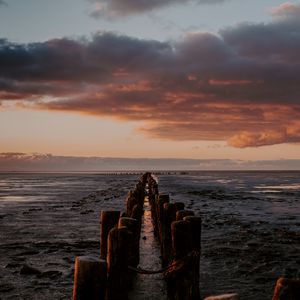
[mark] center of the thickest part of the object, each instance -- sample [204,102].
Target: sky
[188,79]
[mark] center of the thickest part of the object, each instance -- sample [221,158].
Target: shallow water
[250,234]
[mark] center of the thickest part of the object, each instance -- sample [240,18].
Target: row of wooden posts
[179,234]
[178,231]
[109,277]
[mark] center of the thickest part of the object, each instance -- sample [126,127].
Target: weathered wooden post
[152,196]
[139,193]
[152,201]
[179,206]
[169,217]
[134,248]
[152,186]
[119,240]
[144,178]
[287,289]
[195,225]
[137,213]
[179,279]
[180,214]
[131,201]
[161,200]
[89,278]
[109,219]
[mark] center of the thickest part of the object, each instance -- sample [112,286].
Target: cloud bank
[241,85]
[22,162]
[121,8]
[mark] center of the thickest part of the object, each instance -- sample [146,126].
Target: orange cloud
[286,10]
[241,85]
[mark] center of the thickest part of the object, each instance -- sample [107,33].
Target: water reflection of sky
[16,200]
[295,186]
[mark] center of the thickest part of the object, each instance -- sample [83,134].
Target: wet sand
[248,240]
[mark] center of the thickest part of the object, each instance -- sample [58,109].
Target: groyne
[178,234]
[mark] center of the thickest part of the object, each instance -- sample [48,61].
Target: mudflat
[250,233]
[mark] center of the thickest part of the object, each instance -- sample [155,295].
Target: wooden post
[152,187]
[134,249]
[287,289]
[119,240]
[137,213]
[179,206]
[161,200]
[109,219]
[152,201]
[89,278]
[123,214]
[131,201]
[139,193]
[181,239]
[180,214]
[144,178]
[169,217]
[195,225]
[179,282]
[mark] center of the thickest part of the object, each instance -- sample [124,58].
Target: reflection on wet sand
[149,259]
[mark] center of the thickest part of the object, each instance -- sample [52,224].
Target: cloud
[2,2]
[121,8]
[241,85]
[287,10]
[24,162]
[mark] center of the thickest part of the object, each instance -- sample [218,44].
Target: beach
[250,232]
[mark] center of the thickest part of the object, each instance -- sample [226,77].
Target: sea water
[250,229]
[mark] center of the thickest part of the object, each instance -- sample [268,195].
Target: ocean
[250,229]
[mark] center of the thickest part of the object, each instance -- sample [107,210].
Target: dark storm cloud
[241,85]
[117,8]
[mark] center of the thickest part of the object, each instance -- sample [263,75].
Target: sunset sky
[201,79]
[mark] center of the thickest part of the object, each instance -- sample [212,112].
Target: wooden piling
[152,186]
[134,248]
[180,214]
[89,278]
[119,240]
[169,217]
[161,200]
[152,201]
[179,206]
[109,219]
[137,213]
[287,289]
[179,279]
[139,193]
[195,227]
[196,223]
[181,239]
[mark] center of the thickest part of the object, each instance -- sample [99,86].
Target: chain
[173,267]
